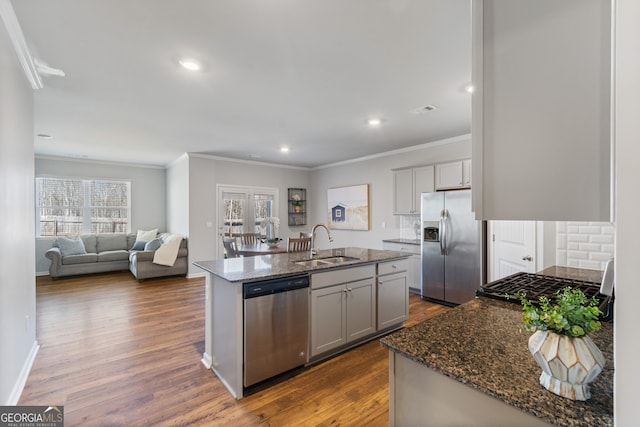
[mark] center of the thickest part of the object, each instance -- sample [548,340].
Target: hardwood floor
[116,352]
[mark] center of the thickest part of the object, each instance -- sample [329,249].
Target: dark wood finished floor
[116,352]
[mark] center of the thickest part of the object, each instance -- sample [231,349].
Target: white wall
[148,193]
[17,282]
[377,172]
[627,131]
[207,172]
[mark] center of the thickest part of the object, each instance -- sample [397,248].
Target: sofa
[100,253]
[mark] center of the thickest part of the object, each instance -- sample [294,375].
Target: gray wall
[377,172]
[207,172]
[178,196]
[17,282]
[148,193]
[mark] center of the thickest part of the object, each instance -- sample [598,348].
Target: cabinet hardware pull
[349,289]
[527,258]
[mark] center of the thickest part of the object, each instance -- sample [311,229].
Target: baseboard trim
[196,275]
[14,397]
[42,273]
[206,360]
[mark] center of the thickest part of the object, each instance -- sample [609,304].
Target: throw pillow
[139,245]
[70,245]
[153,245]
[147,235]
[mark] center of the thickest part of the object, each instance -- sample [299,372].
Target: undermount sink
[325,261]
[312,262]
[338,259]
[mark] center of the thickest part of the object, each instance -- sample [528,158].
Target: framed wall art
[348,207]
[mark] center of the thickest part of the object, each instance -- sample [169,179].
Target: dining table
[261,249]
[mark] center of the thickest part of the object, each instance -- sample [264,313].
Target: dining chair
[298,244]
[230,248]
[249,238]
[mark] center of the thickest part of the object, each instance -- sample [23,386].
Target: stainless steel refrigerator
[452,247]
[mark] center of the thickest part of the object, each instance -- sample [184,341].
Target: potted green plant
[561,344]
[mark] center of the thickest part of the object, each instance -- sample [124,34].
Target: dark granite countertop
[279,265]
[403,241]
[480,344]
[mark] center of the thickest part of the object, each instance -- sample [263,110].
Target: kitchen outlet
[209,224]
[384,224]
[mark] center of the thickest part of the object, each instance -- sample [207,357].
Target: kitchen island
[471,366]
[348,282]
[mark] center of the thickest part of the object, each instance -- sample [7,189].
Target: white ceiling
[301,73]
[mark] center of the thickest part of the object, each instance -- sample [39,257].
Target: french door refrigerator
[452,247]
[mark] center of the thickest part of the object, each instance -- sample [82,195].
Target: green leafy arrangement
[573,315]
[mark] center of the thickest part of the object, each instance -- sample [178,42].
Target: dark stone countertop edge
[403,241]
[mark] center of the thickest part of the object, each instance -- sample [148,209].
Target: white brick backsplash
[601,238]
[589,247]
[578,255]
[584,244]
[593,265]
[581,238]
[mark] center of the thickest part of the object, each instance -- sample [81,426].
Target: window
[68,206]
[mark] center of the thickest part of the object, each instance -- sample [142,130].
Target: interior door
[243,210]
[512,248]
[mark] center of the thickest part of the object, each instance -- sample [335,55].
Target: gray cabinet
[408,184]
[453,175]
[414,275]
[541,109]
[343,307]
[393,293]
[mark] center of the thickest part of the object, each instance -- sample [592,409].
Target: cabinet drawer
[394,266]
[344,275]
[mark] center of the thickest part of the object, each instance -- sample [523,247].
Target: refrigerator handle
[443,232]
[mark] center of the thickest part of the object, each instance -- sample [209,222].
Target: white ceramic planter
[568,364]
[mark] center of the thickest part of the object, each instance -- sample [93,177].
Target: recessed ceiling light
[469,88]
[374,122]
[44,136]
[189,64]
[284,149]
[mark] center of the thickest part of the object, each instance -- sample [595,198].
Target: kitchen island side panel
[227,326]
[422,396]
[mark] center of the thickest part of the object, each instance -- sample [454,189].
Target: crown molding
[19,44]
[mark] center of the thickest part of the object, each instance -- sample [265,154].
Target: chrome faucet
[314,251]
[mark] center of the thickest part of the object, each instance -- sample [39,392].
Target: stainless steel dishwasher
[276,327]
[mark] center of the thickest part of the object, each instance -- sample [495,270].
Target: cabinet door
[541,139]
[423,183]
[466,173]
[403,192]
[393,300]
[414,273]
[328,319]
[449,175]
[361,309]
